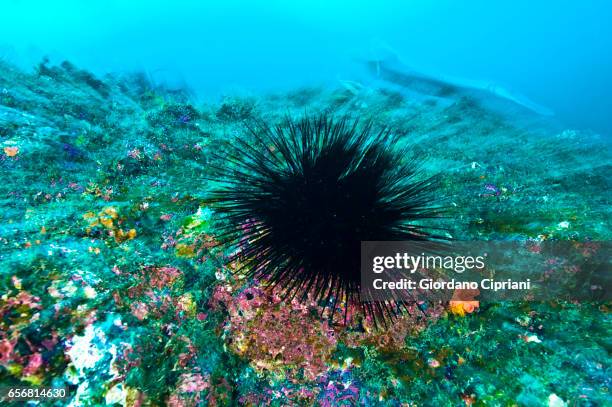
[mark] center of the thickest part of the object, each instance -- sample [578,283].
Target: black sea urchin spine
[299,198]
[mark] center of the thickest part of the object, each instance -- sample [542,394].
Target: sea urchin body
[300,197]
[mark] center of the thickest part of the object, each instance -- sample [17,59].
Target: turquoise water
[135,138]
[556,53]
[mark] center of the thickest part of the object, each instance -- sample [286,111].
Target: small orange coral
[462,307]
[11,151]
[463,302]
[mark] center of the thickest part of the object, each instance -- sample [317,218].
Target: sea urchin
[300,197]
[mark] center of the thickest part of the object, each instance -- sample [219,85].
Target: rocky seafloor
[109,284]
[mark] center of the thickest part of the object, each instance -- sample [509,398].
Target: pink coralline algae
[35,361]
[255,320]
[6,351]
[193,383]
[161,277]
[338,388]
[256,317]
[152,293]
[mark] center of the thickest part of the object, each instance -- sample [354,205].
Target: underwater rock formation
[113,281]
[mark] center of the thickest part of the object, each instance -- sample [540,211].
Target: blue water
[557,53]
